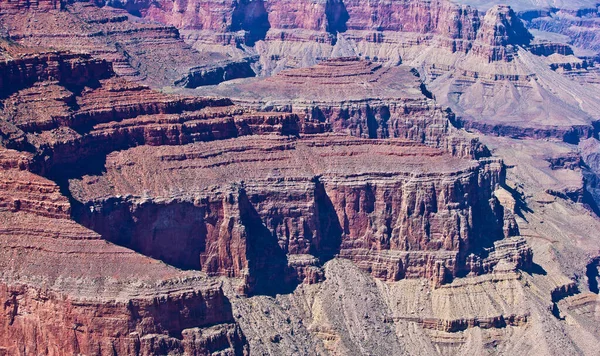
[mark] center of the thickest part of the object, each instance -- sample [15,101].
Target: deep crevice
[593,275]
[252,17]
[337,16]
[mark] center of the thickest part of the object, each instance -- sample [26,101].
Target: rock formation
[358,98]
[139,50]
[65,290]
[151,204]
[349,201]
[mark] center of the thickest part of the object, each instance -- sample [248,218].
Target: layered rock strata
[221,190]
[66,290]
[76,109]
[359,98]
[399,210]
[482,65]
[138,49]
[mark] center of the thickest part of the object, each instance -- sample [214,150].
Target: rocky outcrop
[65,122]
[342,196]
[72,70]
[501,31]
[359,98]
[16,6]
[578,25]
[456,27]
[425,223]
[343,191]
[137,49]
[65,290]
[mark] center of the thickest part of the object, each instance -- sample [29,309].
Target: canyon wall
[126,214]
[66,290]
[436,225]
[356,202]
[137,49]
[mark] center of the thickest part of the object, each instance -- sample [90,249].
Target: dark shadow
[592,275]
[556,312]
[536,269]
[520,205]
[94,164]
[337,16]
[372,124]
[267,261]
[173,233]
[377,122]
[328,235]
[252,17]
[591,191]
[317,114]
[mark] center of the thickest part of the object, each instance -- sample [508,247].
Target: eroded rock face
[342,196]
[359,98]
[262,197]
[456,27]
[500,29]
[25,5]
[66,290]
[483,63]
[137,49]
[347,176]
[66,121]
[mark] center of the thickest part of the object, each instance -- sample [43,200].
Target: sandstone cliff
[67,291]
[333,209]
[137,49]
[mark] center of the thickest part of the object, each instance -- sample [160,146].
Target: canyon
[321,177]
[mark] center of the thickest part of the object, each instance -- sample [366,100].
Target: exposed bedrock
[458,28]
[71,70]
[49,111]
[569,134]
[359,98]
[39,321]
[589,151]
[500,31]
[138,49]
[64,290]
[375,202]
[214,74]
[38,5]
[576,27]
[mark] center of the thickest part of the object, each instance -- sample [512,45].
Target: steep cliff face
[65,121]
[425,223]
[72,70]
[483,64]
[359,98]
[25,5]
[456,26]
[440,17]
[315,181]
[137,49]
[575,25]
[342,196]
[501,30]
[65,290]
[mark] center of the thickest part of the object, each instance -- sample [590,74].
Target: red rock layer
[65,122]
[359,98]
[238,207]
[67,291]
[456,27]
[67,68]
[14,6]
[138,49]
[228,192]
